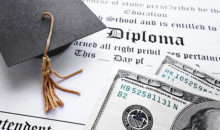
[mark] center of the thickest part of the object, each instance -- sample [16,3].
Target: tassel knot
[45,66]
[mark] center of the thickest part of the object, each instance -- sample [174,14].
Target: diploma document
[138,32]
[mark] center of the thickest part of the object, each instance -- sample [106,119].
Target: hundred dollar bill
[136,102]
[188,78]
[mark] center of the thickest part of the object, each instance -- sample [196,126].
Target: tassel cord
[50,98]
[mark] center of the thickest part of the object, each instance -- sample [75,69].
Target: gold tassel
[51,100]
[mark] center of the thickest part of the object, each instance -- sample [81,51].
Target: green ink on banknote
[125,87]
[122,94]
[141,93]
[178,77]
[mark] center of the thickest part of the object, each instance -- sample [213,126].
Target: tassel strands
[51,100]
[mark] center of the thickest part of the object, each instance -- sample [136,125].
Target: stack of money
[175,97]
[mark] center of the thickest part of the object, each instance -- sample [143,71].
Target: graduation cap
[23,35]
[23,32]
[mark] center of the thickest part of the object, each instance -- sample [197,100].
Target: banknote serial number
[170,75]
[126,89]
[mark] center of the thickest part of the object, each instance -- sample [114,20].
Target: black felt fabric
[23,33]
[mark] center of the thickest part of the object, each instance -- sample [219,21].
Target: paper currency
[136,102]
[188,78]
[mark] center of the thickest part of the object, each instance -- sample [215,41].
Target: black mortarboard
[23,33]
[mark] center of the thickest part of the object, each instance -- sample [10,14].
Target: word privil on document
[118,33]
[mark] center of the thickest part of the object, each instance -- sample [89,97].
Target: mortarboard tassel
[50,98]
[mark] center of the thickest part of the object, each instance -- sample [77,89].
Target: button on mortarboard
[23,33]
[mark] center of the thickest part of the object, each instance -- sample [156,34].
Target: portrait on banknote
[203,116]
